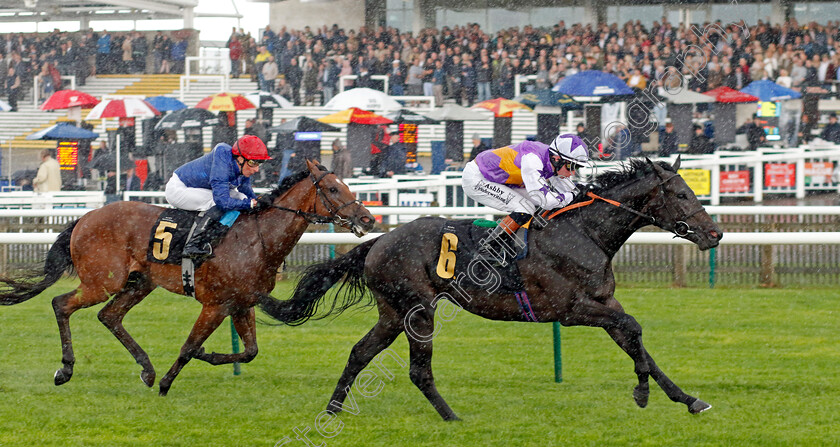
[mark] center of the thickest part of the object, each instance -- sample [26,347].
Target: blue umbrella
[767,90]
[592,83]
[548,98]
[165,103]
[63,131]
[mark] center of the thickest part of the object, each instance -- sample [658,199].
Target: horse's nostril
[714,234]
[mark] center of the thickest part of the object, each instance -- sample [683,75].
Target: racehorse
[107,247]
[567,275]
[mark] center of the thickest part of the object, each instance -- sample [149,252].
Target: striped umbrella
[122,108]
[225,102]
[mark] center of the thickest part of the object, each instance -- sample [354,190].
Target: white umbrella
[363,98]
[266,100]
[122,108]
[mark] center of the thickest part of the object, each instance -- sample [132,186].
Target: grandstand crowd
[463,63]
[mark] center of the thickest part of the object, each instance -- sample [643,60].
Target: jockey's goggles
[254,163]
[571,165]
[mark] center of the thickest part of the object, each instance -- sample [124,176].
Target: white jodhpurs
[495,195]
[183,197]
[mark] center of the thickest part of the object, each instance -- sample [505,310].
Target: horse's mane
[286,185]
[632,169]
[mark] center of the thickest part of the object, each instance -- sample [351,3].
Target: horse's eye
[334,190]
[682,196]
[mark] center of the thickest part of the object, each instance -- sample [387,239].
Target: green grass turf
[767,360]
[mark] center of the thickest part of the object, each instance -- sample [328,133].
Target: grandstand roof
[73,10]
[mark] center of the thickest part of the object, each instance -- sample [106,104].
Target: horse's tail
[316,282]
[18,290]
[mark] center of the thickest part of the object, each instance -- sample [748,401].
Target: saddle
[171,232]
[461,257]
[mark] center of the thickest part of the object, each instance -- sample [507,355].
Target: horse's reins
[314,218]
[680,227]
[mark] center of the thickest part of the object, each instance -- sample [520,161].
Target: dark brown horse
[107,247]
[567,275]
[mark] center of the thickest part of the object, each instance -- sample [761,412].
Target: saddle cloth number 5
[163,239]
[446,261]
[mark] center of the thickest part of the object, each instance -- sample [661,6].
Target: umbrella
[63,131]
[303,124]
[454,112]
[502,107]
[266,100]
[727,95]
[4,106]
[122,108]
[592,83]
[225,102]
[165,103]
[356,116]
[407,116]
[685,96]
[363,98]
[187,118]
[767,90]
[547,98]
[65,99]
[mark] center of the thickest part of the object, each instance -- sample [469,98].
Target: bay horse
[567,274]
[107,248]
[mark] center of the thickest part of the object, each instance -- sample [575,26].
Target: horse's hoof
[452,418]
[698,407]
[148,377]
[640,395]
[62,376]
[163,390]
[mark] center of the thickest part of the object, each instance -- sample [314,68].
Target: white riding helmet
[570,148]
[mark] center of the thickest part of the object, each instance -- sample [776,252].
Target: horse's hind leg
[246,327]
[209,319]
[386,330]
[65,305]
[137,288]
[420,337]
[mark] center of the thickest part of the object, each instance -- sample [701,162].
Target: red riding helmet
[250,147]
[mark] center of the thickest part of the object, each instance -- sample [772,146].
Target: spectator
[283,88]
[310,82]
[342,165]
[294,77]
[268,73]
[438,82]
[478,146]
[396,78]
[755,133]
[13,83]
[806,127]
[700,143]
[668,141]
[234,45]
[414,82]
[178,55]
[329,78]
[831,132]
[139,51]
[49,174]
[254,126]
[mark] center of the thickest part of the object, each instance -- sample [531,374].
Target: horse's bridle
[680,227]
[312,218]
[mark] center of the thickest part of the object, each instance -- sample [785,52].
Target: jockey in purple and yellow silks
[522,177]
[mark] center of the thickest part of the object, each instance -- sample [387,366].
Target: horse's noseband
[680,227]
[315,218]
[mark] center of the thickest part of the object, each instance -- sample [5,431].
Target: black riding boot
[500,245]
[207,231]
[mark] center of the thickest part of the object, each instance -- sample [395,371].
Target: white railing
[832,238]
[48,200]
[187,80]
[518,80]
[36,88]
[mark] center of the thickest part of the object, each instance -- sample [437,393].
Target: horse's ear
[677,163]
[311,165]
[658,169]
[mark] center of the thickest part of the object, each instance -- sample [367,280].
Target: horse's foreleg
[209,319]
[641,392]
[245,325]
[64,306]
[112,317]
[386,330]
[674,392]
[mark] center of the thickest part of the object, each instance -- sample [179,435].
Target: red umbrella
[355,115]
[502,107]
[65,99]
[225,102]
[727,95]
[122,108]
